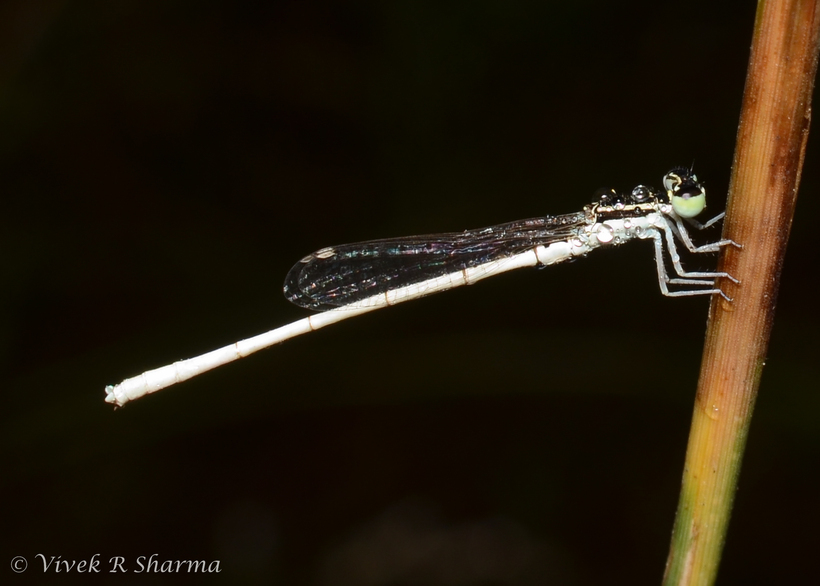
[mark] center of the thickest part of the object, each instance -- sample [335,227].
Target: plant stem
[768,160]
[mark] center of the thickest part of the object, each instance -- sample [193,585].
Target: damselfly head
[685,192]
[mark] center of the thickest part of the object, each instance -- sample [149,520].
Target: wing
[339,275]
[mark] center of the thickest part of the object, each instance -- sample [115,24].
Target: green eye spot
[688,204]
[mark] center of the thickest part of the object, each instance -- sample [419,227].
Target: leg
[683,235]
[698,226]
[663,278]
[673,254]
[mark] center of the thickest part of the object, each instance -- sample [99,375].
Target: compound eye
[689,201]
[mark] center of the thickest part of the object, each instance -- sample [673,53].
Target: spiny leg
[672,248]
[683,234]
[663,277]
[698,226]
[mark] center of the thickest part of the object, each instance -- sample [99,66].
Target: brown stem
[768,160]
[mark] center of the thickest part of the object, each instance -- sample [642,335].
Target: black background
[164,163]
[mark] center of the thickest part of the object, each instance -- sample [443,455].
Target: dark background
[164,163]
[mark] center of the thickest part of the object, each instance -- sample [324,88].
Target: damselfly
[352,279]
